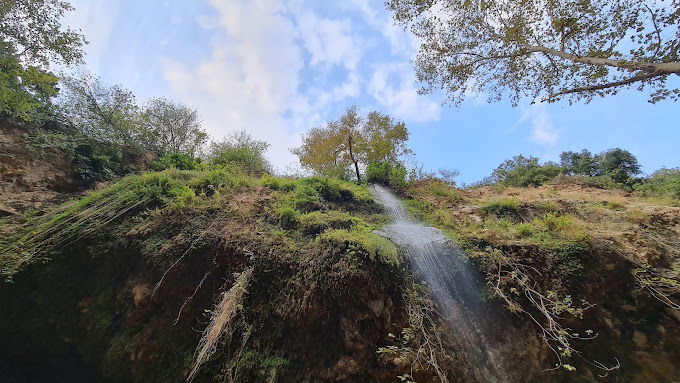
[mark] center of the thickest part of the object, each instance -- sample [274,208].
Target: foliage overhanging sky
[277,68]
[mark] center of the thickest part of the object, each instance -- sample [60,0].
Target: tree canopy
[544,49]
[32,38]
[616,165]
[170,127]
[352,142]
[242,150]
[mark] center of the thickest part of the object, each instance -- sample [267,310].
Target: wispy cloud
[542,130]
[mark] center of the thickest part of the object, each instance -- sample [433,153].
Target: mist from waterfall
[455,285]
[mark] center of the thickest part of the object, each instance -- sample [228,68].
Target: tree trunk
[351,156]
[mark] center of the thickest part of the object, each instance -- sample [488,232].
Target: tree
[524,171]
[23,89]
[33,29]
[353,142]
[104,113]
[583,163]
[544,49]
[619,164]
[32,38]
[242,150]
[171,128]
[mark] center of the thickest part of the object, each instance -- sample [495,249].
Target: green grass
[67,223]
[502,208]
[361,242]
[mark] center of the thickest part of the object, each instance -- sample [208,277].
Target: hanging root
[220,319]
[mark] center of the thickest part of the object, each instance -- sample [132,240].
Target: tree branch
[658,68]
[631,80]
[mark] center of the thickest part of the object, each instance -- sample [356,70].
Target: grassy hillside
[221,276]
[597,272]
[119,284]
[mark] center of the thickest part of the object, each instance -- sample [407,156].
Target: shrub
[242,150]
[97,161]
[662,183]
[387,174]
[525,171]
[176,160]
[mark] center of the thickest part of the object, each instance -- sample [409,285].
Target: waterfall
[455,286]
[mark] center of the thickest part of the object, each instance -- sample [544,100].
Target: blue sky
[277,68]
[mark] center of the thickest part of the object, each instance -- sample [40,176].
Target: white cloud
[402,100]
[95,19]
[330,41]
[542,130]
[251,79]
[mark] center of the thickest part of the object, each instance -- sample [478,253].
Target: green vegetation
[242,150]
[31,39]
[342,147]
[544,51]
[664,183]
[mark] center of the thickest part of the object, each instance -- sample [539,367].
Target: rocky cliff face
[284,281]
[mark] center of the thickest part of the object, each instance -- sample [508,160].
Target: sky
[277,68]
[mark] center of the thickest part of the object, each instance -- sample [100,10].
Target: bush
[662,183]
[97,161]
[177,161]
[242,150]
[525,171]
[387,174]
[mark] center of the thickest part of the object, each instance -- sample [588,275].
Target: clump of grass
[220,319]
[361,242]
[80,218]
[613,205]
[317,222]
[502,208]
[278,183]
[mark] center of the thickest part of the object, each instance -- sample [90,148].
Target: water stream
[455,286]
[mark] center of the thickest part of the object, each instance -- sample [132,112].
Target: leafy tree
[663,183]
[353,142]
[33,29]
[32,38]
[524,171]
[583,163]
[169,127]
[619,164]
[242,150]
[24,90]
[104,113]
[544,49]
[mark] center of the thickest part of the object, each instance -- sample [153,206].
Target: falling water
[454,283]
